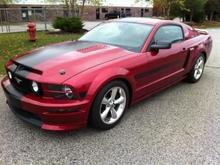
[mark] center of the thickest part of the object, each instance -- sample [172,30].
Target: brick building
[22,12]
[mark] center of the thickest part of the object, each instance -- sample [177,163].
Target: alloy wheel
[113,105]
[199,67]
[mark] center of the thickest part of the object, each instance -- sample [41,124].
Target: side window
[168,33]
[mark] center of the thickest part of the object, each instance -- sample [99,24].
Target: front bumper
[55,115]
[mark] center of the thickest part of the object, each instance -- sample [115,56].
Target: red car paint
[87,70]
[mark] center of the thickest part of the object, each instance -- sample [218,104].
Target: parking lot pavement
[180,125]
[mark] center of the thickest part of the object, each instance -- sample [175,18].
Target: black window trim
[168,24]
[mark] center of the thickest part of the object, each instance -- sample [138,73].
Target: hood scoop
[92,48]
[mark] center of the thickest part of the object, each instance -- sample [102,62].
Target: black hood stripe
[39,56]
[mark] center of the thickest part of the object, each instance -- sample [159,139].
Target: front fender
[108,75]
[92,81]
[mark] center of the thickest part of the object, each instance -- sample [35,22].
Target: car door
[161,67]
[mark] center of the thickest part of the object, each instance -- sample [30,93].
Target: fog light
[35,87]
[9,75]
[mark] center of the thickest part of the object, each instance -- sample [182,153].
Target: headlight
[10,75]
[35,87]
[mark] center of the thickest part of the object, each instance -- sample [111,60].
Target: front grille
[19,82]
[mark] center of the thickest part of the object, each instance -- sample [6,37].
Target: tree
[212,7]
[164,7]
[159,7]
[192,10]
[195,8]
[5,2]
[90,2]
[70,5]
[82,8]
[96,2]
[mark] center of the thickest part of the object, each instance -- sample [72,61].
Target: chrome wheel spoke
[105,101]
[120,100]
[196,66]
[114,93]
[196,72]
[200,63]
[113,113]
[105,113]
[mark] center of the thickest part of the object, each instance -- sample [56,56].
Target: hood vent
[92,48]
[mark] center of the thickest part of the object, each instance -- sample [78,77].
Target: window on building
[24,13]
[128,12]
[65,12]
[104,10]
[146,10]
[37,10]
[128,9]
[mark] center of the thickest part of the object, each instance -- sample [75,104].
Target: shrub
[68,24]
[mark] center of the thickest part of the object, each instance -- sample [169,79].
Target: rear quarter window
[189,32]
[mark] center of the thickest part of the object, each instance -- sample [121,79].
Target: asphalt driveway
[180,125]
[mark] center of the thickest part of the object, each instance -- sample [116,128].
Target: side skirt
[158,90]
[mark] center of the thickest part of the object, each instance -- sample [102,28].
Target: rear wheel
[109,105]
[197,70]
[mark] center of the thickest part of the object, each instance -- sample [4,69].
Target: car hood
[59,62]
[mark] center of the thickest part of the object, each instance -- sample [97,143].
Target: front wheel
[197,70]
[109,105]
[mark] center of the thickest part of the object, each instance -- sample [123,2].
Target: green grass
[12,44]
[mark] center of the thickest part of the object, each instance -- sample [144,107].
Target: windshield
[130,36]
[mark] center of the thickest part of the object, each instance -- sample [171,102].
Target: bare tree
[82,8]
[90,2]
[5,2]
[69,4]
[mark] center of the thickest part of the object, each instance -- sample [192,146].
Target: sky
[142,3]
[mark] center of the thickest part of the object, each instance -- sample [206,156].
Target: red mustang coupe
[93,80]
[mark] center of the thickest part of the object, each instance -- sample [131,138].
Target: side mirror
[161,45]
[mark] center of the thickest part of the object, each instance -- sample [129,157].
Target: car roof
[149,21]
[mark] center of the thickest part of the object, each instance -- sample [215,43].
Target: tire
[108,109]
[197,71]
